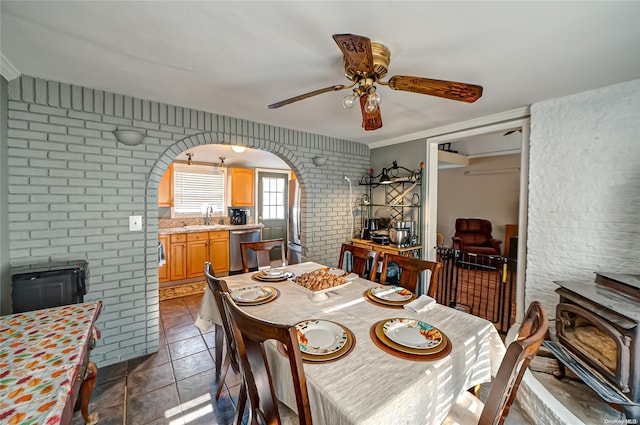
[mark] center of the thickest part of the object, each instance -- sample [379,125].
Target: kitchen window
[196,187]
[272,198]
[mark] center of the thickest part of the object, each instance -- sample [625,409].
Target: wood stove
[598,329]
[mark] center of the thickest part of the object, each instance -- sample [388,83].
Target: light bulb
[371,105]
[349,101]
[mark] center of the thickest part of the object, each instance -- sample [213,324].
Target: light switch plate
[135,223]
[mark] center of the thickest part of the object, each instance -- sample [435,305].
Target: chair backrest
[518,356]
[219,287]
[251,334]
[263,252]
[410,269]
[365,262]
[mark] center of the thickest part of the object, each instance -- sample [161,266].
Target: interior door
[273,207]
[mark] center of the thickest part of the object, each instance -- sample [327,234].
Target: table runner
[369,386]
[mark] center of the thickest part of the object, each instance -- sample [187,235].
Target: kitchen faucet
[207,217]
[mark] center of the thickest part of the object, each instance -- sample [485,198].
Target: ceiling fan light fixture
[349,101]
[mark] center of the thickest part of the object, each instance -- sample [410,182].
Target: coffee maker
[238,215]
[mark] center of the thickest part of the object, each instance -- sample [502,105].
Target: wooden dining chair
[410,269]
[470,410]
[251,335]
[365,262]
[219,287]
[263,252]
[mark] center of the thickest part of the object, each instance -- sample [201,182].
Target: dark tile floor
[175,386]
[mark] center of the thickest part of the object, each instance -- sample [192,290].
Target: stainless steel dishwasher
[235,257]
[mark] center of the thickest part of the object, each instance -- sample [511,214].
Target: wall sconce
[319,161]
[238,148]
[129,137]
[189,161]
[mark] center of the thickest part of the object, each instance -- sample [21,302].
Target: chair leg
[242,402]
[219,342]
[225,369]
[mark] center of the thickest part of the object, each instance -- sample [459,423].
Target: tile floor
[176,386]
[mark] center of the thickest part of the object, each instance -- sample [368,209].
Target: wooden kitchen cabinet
[197,253]
[178,257]
[219,252]
[165,188]
[186,254]
[163,271]
[242,184]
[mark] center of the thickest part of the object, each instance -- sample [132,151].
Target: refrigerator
[294,247]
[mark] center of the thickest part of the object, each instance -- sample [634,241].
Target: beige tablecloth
[370,386]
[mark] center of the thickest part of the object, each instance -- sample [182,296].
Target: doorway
[431,210]
[273,206]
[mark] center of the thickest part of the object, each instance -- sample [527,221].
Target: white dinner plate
[412,333]
[252,294]
[320,337]
[392,293]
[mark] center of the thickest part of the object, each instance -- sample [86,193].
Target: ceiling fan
[365,64]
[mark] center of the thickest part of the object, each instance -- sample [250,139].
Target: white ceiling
[235,58]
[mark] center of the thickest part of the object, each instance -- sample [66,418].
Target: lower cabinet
[163,271]
[178,257]
[186,254]
[219,252]
[197,253]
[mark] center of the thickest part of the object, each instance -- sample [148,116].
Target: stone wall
[72,188]
[584,188]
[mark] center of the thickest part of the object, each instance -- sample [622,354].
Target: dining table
[44,364]
[370,384]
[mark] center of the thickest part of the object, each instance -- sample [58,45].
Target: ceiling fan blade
[447,89]
[370,121]
[357,52]
[310,94]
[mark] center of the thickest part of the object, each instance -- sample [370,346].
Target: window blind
[197,187]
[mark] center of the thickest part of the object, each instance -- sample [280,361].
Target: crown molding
[513,114]
[7,70]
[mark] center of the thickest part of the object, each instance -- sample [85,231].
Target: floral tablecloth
[41,356]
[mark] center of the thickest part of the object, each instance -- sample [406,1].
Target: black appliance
[238,215]
[48,285]
[370,225]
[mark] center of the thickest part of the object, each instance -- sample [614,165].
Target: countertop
[209,228]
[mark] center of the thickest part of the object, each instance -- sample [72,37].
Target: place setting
[323,340]
[254,295]
[272,275]
[410,339]
[391,296]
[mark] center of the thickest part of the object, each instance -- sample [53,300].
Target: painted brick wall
[584,188]
[72,187]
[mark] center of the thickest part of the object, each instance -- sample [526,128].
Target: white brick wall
[584,189]
[72,187]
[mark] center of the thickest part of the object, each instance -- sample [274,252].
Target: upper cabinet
[242,181]
[165,189]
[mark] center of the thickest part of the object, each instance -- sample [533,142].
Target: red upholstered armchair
[474,235]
